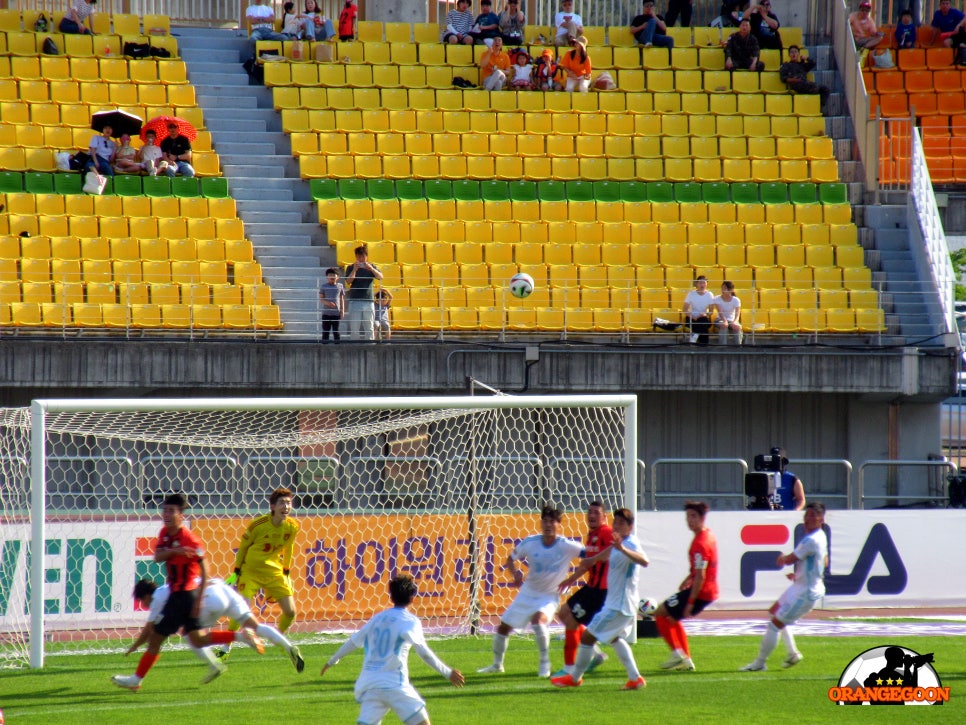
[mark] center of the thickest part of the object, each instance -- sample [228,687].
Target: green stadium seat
[11,182]
[716,192]
[493,190]
[578,190]
[410,189]
[688,192]
[774,192]
[439,189]
[466,190]
[37,182]
[633,191]
[833,193]
[127,185]
[803,193]
[552,191]
[381,189]
[68,183]
[156,186]
[324,188]
[353,189]
[214,187]
[522,190]
[744,192]
[185,187]
[108,187]
[607,191]
[660,191]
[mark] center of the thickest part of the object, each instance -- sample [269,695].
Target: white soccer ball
[647,606]
[521,285]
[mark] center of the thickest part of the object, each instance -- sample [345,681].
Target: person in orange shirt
[494,64]
[577,65]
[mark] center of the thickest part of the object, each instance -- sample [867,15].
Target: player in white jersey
[383,684]
[614,623]
[548,558]
[220,600]
[810,558]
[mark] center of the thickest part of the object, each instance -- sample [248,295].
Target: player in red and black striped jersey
[183,554]
[581,606]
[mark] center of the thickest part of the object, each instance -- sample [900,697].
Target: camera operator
[789,492]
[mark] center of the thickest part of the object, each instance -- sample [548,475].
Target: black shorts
[586,602]
[177,614]
[676,603]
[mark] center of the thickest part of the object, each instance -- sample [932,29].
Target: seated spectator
[545,72]
[649,28]
[126,158]
[316,24]
[459,24]
[576,64]
[945,22]
[679,8]
[151,155]
[906,31]
[512,23]
[764,25]
[176,150]
[864,29]
[487,24]
[697,310]
[80,11]
[261,25]
[794,74]
[958,38]
[568,24]
[293,23]
[742,50]
[729,17]
[728,319]
[102,151]
[522,72]
[494,63]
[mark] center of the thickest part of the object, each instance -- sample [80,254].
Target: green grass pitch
[77,689]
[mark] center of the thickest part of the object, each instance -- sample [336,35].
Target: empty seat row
[128,206]
[127,185]
[78,115]
[103,270]
[901,105]
[125,248]
[915,59]
[923,81]
[111,70]
[139,316]
[63,225]
[98,93]
[76,45]
[135,292]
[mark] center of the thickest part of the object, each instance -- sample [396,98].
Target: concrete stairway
[273,202]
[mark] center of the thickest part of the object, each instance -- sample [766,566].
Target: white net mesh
[441,493]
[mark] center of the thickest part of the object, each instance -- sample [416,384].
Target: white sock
[499,648]
[768,643]
[204,654]
[626,656]
[585,654]
[267,631]
[788,639]
[541,634]
[681,653]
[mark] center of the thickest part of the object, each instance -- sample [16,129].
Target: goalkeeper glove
[233,577]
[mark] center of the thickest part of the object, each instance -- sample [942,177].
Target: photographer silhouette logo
[890,675]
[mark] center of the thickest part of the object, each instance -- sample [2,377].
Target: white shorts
[527,604]
[404,701]
[793,604]
[610,624]
[231,605]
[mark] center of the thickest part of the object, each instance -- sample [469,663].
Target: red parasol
[160,124]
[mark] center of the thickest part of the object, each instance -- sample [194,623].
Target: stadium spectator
[545,72]
[649,28]
[789,493]
[679,9]
[614,623]
[360,308]
[810,558]
[729,17]
[347,21]
[548,557]
[459,24]
[151,155]
[126,158]
[79,13]
[487,24]
[728,317]
[569,25]
[577,66]
[764,25]
[494,64]
[293,23]
[864,29]
[383,325]
[945,22]
[697,310]
[742,50]
[317,25]
[383,684]
[906,31]
[183,554]
[332,299]
[512,23]
[102,151]
[583,604]
[698,590]
[794,74]
[176,150]
[261,23]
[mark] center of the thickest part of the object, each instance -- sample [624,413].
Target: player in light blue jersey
[808,586]
[548,558]
[383,684]
[614,623]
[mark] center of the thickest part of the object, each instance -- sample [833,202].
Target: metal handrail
[847,465]
[742,463]
[860,479]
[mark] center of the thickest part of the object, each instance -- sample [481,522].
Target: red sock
[145,664]
[664,629]
[681,637]
[571,642]
[221,636]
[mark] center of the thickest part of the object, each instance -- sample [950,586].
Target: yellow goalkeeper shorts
[275,585]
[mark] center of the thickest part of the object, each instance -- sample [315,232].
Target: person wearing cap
[945,22]
[764,25]
[697,310]
[176,150]
[576,63]
[649,28]
[494,64]
[512,23]
[794,74]
[569,24]
[487,24]
[545,72]
[742,50]
[459,23]
[864,29]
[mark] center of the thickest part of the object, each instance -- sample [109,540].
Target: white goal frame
[41,409]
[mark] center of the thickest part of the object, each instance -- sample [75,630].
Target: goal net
[441,488]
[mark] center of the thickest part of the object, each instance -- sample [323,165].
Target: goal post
[438,487]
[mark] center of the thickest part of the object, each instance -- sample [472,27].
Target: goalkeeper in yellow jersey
[264,558]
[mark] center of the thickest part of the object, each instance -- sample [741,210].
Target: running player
[264,559]
[583,604]
[698,589]
[614,623]
[548,557]
[383,684]
[810,559]
[220,600]
[183,554]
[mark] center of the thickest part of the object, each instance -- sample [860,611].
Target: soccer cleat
[561,672]
[639,684]
[492,669]
[222,653]
[544,671]
[755,666]
[566,681]
[130,682]
[673,662]
[296,656]
[598,659]
[215,671]
[792,660]
[686,664]
[251,639]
